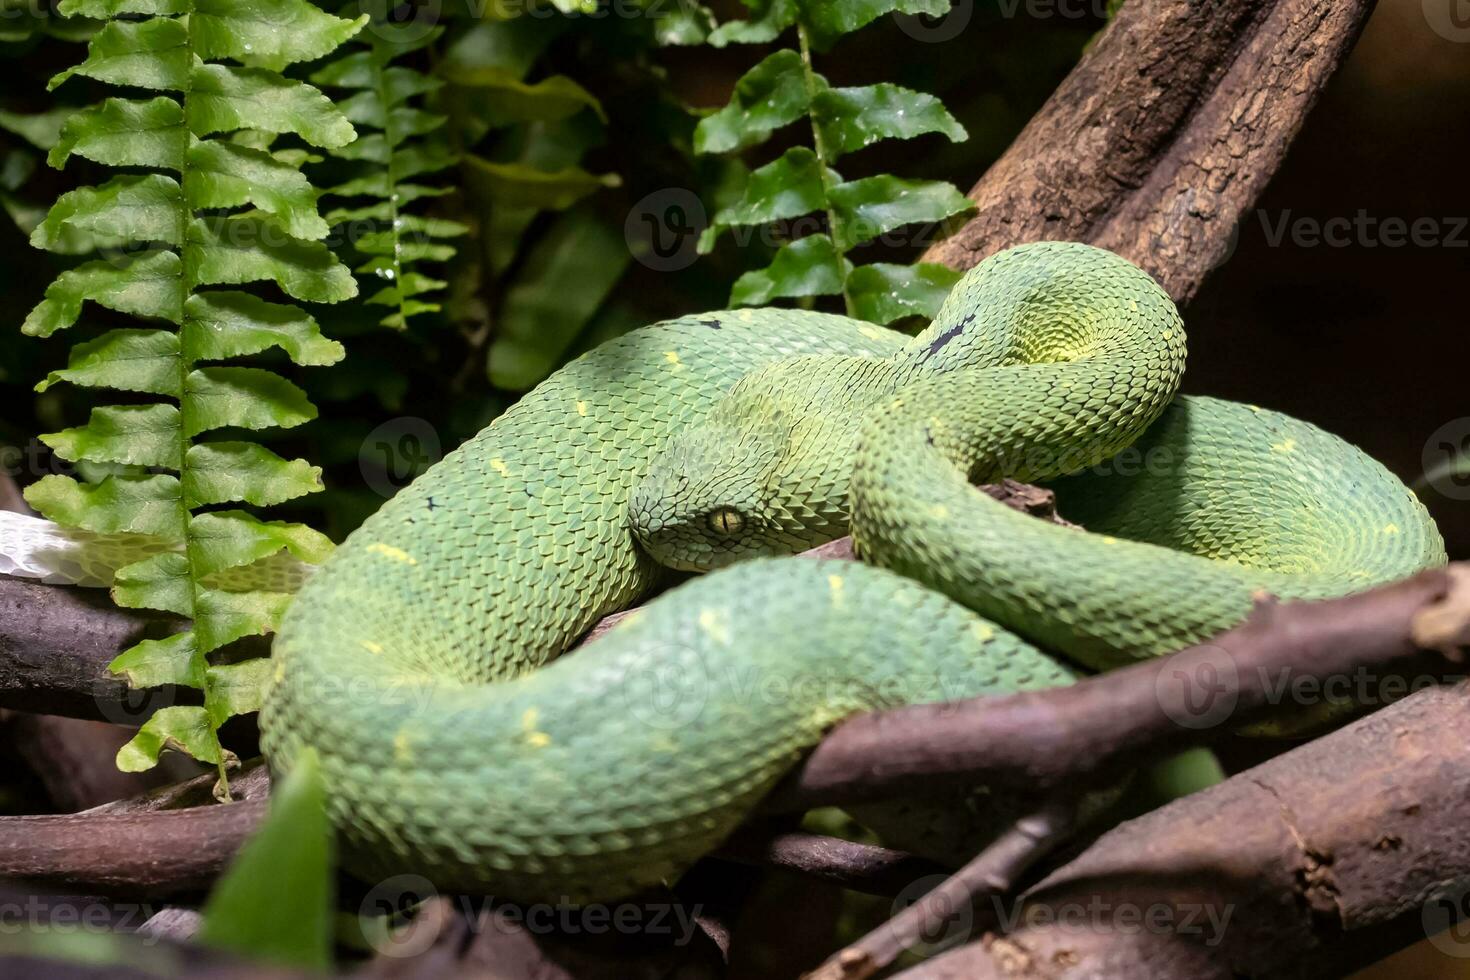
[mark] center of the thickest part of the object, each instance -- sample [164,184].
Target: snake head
[764,473]
[705,502]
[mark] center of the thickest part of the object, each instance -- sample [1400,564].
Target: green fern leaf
[169,235]
[785,87]
[399,143]
[883,293]
[771,95]
[852,118]
[788,187]
[125,133]
[810,266]
[874,206]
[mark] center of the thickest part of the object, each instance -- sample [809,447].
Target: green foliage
[274,904]
[782,89]
[26,133]
[223,211]
[402,145]
[536,284]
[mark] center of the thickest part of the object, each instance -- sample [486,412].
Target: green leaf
[874,206]
[566,277]
[155,663]
[40,129]
[231,538]
[223,617]
[136,435]
[144,285]
[400,122]
[158,582]
[225,472]
[829,21]
[220,324]
[788,187]
[883,293]
[239,249]
[769,96]
[275,902]
[227,175]
[852,118]
[809,266]
[125,133]
[182,728]
[267,33]
[117,505]
[142,208]
[151,54]
[131,360]
[108,9]
[682,24]
[769,19]
[527,186]
[238,689]
[250,398]
[225,99]
[513,100]
[426,158]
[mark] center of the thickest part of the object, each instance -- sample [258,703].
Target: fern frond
[213,207]
[784,88]
[399,148]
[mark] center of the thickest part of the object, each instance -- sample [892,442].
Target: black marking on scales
[937,344]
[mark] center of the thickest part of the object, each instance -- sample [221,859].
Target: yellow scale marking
[388,551]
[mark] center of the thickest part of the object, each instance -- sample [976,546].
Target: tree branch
[1163,135]
[1308,866]
[1044,740]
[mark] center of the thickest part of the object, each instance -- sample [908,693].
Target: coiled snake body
[418,662]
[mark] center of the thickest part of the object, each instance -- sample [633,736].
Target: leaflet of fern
[401,146]
[205,203]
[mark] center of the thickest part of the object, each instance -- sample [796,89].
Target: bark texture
[1164,135]
[1306,866]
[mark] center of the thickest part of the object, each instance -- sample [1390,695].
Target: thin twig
[994,872]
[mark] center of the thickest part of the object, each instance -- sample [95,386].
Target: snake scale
[421,661]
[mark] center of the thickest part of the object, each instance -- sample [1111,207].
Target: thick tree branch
[56,643]
[1164,134]
[1307,866]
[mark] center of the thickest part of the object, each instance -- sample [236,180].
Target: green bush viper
[418,662]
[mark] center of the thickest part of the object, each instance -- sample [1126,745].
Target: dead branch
[993,873]
[860,867]
[56,643]
[1307,866]
[1163,135]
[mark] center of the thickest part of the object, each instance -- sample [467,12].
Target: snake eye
[725,520]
